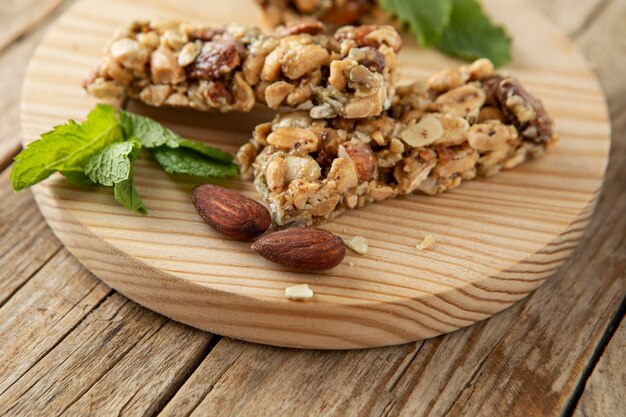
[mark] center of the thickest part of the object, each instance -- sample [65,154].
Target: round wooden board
[497,239]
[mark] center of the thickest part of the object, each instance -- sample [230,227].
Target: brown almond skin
[302,248]
[230,213]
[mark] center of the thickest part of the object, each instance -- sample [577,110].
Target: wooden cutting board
[497,239]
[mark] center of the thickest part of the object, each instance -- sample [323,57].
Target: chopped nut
[130,53]
[299,292]
[275,175]
[164,67]
[188,54]
[276,93]
[358,244]
[300,61]
[427,243]
[302,140]
[303,167]
[464,101]
[490,135]
[423,133]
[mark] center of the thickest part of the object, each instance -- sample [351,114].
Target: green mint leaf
[186,161]
[113,163]
[77,178]
[471,35]
[153,134]
[66,148]
[150,132]
[213,153]
[426,18]
[126,194]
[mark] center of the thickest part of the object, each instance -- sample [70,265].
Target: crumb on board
[427,243]
[352,264]
[299,292]
[357,244]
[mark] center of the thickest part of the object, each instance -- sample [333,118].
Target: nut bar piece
[350,74]
[459,124]
[335,12]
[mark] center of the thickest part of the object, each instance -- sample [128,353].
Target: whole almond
[303,248]
[230,213]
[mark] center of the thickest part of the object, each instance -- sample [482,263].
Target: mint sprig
[456,27]
[67,148]
[102,149]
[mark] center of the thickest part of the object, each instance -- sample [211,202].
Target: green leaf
[471,35]
[213,153]
[66,148]
[153,134]
[186,161]
[426,18]
[112,165]
[150,132]
[77,178]
[126,194]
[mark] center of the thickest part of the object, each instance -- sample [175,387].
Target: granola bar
[349,74]
[459,124]
[335,12]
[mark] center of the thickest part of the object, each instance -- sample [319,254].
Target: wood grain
[498,239]
[605,394]
[27,242]
[84,370]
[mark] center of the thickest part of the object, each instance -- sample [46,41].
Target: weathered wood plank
[13,63]
[26,241]
[42,312]
[19,17]
[604,394]
[121,359]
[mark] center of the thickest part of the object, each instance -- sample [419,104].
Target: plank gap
[193,367]
[613,325]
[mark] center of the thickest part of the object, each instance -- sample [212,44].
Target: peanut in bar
[349,74]
[460,124]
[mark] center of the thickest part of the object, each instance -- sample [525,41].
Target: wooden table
[70,345]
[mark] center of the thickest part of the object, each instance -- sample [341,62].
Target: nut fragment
[427,243]
[301,140]
[358,244]
[424,132]
[302,248]
[299,292]
[230,213]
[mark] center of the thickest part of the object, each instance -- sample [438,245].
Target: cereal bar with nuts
[349,74]
[459,124]
[334,12]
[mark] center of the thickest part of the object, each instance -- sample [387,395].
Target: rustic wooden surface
[497,239]
[70,345]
